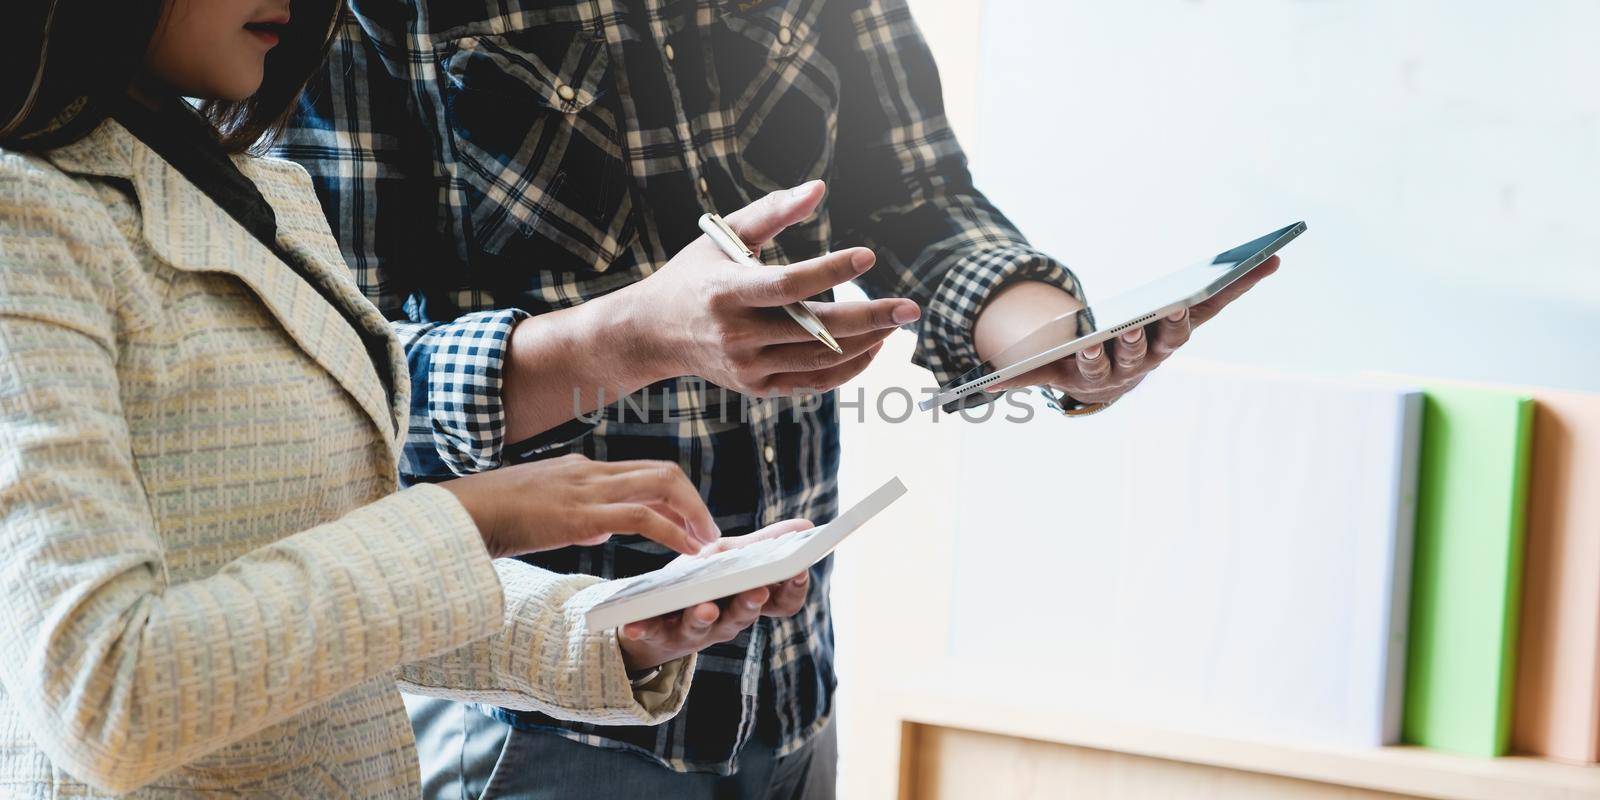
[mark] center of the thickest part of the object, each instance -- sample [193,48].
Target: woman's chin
[226,92]
[244,91]
[238,87]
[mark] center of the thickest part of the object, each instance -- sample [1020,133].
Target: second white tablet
[688,581]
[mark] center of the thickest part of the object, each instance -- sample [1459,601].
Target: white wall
[1446,157]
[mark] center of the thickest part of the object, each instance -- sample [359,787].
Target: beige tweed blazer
[208,581]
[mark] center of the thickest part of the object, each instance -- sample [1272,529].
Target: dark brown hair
[65,64]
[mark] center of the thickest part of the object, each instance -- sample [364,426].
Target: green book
[1466,583]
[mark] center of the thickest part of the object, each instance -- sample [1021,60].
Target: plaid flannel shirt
[481,161]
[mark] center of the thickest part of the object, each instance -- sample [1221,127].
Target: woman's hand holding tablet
[713,595]
[660,639]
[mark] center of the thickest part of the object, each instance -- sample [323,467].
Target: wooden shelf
[1401,770]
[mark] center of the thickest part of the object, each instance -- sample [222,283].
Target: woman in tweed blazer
[208,581]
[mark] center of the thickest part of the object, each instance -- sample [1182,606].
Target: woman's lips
[268,35]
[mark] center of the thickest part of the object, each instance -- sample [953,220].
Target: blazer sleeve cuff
[543,659]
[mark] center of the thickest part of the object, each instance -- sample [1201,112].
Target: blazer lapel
[190,232]
[303,233]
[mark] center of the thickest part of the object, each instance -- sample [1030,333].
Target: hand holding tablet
[728,572]
[1109,339]
[650,642]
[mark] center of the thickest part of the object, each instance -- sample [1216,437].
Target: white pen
[733,247]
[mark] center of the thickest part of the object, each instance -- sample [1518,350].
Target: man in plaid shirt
[517,185]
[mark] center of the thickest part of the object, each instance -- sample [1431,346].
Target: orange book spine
[1557,713]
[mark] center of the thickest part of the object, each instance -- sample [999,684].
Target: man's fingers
[1170,333]
[758,222]
[1074,384]
[1093,364]
[814,355]
[647,522]
[773,327]
[822,380]
[1210,308]
[1130,350]
[663,482]
[777,286]
[855,318]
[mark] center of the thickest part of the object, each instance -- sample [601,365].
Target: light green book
[1467,576]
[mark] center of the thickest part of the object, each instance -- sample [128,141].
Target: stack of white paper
[1223,550]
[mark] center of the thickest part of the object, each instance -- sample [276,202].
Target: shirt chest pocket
[533,125]
[780,86]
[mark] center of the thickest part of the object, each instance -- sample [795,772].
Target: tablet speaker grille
[1144,320]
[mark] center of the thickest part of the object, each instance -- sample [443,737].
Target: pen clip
[728,231]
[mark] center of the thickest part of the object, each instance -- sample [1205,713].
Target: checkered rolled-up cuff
[458,423]
[945,345]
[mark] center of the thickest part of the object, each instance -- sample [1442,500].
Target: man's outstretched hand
[1104,372]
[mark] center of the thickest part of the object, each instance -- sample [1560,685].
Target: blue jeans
[467,754]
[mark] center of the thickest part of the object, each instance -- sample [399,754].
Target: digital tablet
[1070,333]
[691,580]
